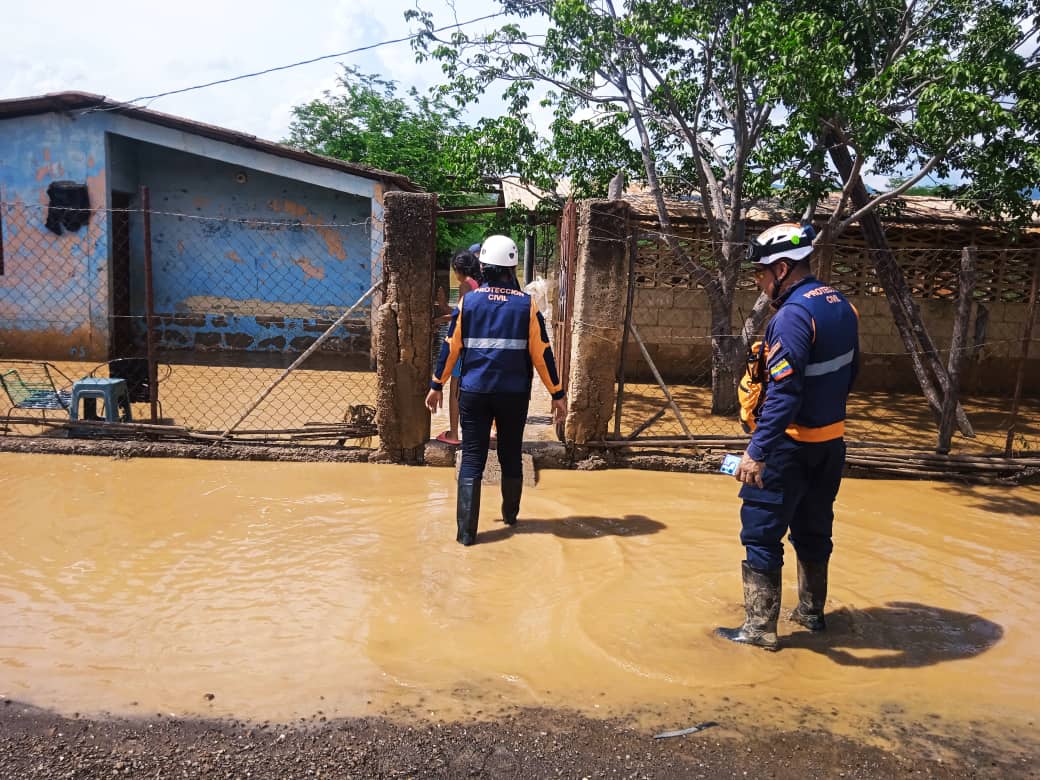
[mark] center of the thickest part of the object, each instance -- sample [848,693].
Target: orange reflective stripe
[807,434]
[536,349]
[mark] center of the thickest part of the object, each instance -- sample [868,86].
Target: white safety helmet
[500,251]
[787,241]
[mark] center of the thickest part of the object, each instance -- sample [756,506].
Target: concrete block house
[255,246]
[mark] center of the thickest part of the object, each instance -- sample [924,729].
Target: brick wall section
[405,326]
[676,327]
[600,286]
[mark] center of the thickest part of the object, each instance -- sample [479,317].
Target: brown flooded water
[286,590]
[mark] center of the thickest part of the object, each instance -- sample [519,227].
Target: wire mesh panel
[233,303]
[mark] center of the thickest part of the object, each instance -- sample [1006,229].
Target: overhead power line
[264,72]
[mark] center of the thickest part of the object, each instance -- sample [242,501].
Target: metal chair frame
[31,385]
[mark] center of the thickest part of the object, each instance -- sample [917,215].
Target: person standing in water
[792,468]
[500,338]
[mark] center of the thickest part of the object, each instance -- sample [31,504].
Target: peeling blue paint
[243,255]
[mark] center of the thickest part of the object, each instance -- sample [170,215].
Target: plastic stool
[112,391]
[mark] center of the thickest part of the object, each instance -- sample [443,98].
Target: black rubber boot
[761,607]
[812,595]
[512,489]
[468,510]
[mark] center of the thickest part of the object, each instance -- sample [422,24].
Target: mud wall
[54,287]
[676,325]
[404,330]
[597,324]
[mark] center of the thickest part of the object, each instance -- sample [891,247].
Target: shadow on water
[899,635]
[1005,502]
[576,527]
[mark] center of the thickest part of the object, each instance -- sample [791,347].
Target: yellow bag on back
[751,391]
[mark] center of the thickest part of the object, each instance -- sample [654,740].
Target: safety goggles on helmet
[788,241]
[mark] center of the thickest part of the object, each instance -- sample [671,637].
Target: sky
[112,48]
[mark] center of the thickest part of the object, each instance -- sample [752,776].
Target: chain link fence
[202,312]
[672,329]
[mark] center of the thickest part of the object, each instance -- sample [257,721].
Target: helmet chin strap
[778,282]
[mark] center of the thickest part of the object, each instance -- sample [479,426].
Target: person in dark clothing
[792,467]
[467,273]
[499,336]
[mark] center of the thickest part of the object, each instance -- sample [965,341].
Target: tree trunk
[726,357]
[905,313]
[958,342]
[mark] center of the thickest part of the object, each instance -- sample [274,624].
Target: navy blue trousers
[476,413]
[800,483]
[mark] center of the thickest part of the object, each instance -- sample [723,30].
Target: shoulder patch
[780,370]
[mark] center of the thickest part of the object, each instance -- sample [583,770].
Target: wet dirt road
[279,591]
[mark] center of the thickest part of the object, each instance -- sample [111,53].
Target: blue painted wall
[54,290]
[246,260]
[250,251]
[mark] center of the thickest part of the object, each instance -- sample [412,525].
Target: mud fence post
[404,326]
[600,292]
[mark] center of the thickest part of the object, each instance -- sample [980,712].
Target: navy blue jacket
[812,358]
[500,337]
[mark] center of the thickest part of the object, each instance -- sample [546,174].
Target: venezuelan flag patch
[780,370]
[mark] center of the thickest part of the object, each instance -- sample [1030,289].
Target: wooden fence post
[1027,338]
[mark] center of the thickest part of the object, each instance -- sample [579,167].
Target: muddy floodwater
[276,591]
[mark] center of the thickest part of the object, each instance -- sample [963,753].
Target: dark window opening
[69,206]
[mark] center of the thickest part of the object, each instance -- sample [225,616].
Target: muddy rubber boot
[512,489]
[812,595]
[761,607]
[467,510]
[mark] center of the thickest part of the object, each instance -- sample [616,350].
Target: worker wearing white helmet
[799,382]
[500,338]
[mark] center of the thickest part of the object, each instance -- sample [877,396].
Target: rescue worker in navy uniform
[792,467]
[500,337]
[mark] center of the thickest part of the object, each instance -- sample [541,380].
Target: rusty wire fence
[670,334]
[200,315]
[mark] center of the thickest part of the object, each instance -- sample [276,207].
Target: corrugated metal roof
[84,101]
[905,209]
[516,190]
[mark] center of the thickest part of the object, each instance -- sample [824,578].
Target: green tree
[366,121]
[915,88]
[740,101]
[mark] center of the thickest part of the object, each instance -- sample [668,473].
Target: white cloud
[112,48]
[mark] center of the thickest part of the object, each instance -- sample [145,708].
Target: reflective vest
[807,364]
[501,338]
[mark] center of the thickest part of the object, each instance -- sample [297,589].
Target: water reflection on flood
[288,589]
